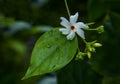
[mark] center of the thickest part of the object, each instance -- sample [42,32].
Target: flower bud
[100,29]
[80,55]
[91,49]
[97,45]
[89,54]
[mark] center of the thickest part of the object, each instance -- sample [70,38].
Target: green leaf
[52,51]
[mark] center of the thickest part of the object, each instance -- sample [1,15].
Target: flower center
[72,27]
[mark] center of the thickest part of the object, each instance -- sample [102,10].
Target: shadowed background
[23,21]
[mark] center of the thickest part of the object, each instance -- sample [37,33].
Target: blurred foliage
[17,39]
[106,61]
[23,21]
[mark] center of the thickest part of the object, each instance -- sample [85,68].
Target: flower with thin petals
[72,27]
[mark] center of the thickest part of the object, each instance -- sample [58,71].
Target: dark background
[23,21]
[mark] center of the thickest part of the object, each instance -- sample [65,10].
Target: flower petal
[65,22]
[80,33]
[81,25]
[71,35]
[73,18]
[64,31]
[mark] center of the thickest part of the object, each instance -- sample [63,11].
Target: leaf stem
[67,8]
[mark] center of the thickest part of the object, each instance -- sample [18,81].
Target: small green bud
[89,54]
[97,45]
[90,47]
[100,29]
[80,55]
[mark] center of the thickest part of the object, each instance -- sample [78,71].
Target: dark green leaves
[96,9]
[52,51]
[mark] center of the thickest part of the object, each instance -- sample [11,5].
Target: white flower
[72,27]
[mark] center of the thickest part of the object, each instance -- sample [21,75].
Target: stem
[91,23]
[67,8]
[91,29]
[85,45]
[84,41]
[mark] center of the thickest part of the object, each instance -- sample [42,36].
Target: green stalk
[67,8]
